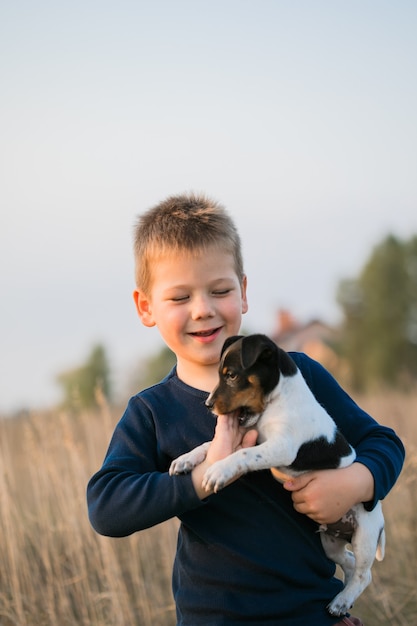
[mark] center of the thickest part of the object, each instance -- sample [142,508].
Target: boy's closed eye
[222,292]
[215,293]
[180,298]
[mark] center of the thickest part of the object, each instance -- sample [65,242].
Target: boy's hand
[229,436]
[326,495]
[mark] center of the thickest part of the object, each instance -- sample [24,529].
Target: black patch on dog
[343,529]
[257,354]
[286,365]
[229,342]
[261,349]
[244,356]
[321,454]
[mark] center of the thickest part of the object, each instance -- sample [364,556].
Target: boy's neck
[204,378]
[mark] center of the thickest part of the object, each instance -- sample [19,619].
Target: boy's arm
[380,453]
[133,490]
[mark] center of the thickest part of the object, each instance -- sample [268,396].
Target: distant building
[315,338]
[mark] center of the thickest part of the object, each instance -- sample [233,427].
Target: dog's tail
[380,550]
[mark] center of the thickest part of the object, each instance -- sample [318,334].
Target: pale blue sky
[298,116]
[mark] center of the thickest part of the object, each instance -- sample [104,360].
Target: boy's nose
[202,308]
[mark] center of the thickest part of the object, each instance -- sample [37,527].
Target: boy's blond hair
[183,223]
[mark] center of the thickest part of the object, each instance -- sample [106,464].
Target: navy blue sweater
[244,555]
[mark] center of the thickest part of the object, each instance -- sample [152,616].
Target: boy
[249,554]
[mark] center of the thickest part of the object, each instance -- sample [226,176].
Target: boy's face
[196,302]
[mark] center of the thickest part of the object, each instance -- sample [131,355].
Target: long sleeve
[133,489]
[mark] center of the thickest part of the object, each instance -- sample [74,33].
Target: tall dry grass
[56,571]
[392,596]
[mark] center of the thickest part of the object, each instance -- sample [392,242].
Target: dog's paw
[347,597]
[339,606]
[188,461]
[217,476]
[182,465]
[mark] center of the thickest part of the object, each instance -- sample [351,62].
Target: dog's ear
[255,347]
[229,342]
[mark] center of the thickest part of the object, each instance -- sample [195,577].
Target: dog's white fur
[291,418]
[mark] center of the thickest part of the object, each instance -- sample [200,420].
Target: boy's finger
[295,484]
[225,423]
[249,439]
[280,476]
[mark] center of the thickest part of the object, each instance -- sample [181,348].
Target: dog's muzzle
[246,417]
[243,414]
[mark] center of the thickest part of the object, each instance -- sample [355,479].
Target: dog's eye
[231,376]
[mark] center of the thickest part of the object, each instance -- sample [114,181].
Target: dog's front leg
[263,456]
[188,461]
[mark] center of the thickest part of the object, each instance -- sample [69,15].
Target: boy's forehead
[180,265]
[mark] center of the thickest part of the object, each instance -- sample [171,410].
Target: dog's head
[250,368]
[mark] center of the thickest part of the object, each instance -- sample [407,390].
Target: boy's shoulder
[305,364]
[168,410]
[169,389]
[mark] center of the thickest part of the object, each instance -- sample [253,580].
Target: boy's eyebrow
[216,281]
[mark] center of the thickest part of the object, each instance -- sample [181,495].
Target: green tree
[153,369]
[380,316]
[82,384]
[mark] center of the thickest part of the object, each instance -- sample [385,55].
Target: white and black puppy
[262,387]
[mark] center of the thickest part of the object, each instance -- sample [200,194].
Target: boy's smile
[196,301]
[207,335]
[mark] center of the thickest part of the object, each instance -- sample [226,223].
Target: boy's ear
[143,307]
[244,296]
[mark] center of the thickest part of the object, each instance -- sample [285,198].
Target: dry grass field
[56,571]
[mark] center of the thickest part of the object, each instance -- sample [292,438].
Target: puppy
[262,387]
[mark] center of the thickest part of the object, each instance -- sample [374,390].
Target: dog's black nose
[209,403]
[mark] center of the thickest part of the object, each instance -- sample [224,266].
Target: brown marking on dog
[228,400]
